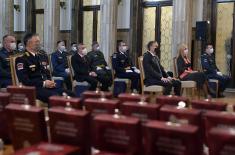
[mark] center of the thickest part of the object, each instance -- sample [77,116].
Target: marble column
[5,18]
[108,27]
[50,26]
[182,24]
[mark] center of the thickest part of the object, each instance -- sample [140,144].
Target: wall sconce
[17,7]
[63,4]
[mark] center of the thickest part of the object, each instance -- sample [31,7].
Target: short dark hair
[119,42]
[60,42]
[207,44]
[28,36]
[150,44]
[73,43]
[94,43]
[5,36]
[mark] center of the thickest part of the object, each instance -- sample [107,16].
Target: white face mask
[84,51]
[98,48]
[0,45]
[62,48]
[124,49]
[186,52]
[211,51]
[74,48]
[13,46]
[21,47]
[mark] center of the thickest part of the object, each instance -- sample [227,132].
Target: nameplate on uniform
[60,101]
[101,106]
[171,100]
[171,138]
[70,126]
[96,94]
[49,149]
[26,124]
[221,141]
[144,111]
[123,97]
[20,94]
[118,134]
[4,101]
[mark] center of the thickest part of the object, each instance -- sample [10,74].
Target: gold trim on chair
[15,81]
[127,81]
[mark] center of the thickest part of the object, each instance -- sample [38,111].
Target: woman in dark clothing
[186,73]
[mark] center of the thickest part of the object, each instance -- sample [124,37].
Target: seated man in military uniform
[122,64]
[155,73]
[99,66]
[60,64]
[9,46]
[82,69]
[211,70]
[31,72]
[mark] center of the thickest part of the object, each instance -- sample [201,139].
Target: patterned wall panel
[98,27]
[40,26]
[166,37]
[148,26]
[39,4]
[223,35]
[87,28]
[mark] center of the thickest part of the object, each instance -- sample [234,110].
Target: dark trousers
[223,80]
[167,85]
[133,76]
[90,79]
[105,78]
[5,82]
[67,79]
[43,94]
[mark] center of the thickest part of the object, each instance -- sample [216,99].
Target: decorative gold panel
[39,4]
[149,19]
[166,37]
[87,28]
[98,27]
[223,35]
[40,26]
[91,2]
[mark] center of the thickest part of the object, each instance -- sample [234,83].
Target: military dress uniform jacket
[152,67]
[80,66]
[96,59]
[5,69]
[121,61]
[209,64]
[30,70]
[59,62]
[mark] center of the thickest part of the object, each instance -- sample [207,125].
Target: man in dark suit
[31,72]
[82,69]
[123,66]
[155,73]
[9,47]
[60,64]
[211,70]
[99,66]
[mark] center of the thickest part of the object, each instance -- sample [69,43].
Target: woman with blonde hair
[186,73]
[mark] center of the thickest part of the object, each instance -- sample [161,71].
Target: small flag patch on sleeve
[20,66]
